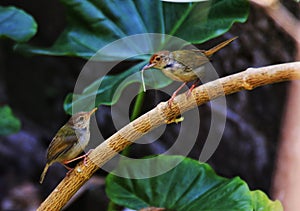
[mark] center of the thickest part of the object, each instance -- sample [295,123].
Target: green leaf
[93,24]
[8,122]
[16,24]
[108,89]
[189,186]
[262,203]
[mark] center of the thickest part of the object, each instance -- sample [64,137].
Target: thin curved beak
[147,66]
[93,111]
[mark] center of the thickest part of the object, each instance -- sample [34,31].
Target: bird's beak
[92,111]
[147,66]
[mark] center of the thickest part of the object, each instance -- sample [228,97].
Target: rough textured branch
[162,114]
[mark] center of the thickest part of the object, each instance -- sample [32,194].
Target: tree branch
[162,114]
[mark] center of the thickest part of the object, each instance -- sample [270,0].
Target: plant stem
[138,104]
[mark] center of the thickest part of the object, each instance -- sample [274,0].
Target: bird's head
[81,120]
[158,60]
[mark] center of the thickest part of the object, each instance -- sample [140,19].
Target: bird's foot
[70,170]
[175,120]
[170,101]
[174,94]
[86,156]
[79,157]
[192,87]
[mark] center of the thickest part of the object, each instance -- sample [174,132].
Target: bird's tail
[44,173]
[213,50]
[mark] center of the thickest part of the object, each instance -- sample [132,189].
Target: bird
[69,141]
[183,65]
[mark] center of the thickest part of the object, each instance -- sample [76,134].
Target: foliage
[8,122]
[93,25]
[262,203]
[16,24]
[189,186]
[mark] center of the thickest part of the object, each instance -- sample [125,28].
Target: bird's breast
[179,72]
[83,136]
[80,145]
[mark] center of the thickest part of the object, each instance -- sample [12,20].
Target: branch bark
[162,114]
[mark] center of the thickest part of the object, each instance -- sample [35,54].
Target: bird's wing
[61,143]
[190,58]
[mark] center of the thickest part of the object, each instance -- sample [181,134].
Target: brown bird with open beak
[183,65]
[69,141]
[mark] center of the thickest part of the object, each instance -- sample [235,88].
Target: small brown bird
[69,141]
[183,65]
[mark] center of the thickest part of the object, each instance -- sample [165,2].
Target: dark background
[35,88]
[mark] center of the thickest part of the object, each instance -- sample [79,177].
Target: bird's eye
[81,118]
[157,59]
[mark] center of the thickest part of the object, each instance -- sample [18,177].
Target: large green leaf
[92,24]
[189,186]
[16,24]
[107,90]
[8,122]
[262,203]
[95,25]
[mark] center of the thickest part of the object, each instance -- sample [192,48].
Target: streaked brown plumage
[183,65]
[69,141]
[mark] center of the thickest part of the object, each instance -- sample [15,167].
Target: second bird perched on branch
[183,65]
[69,141]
